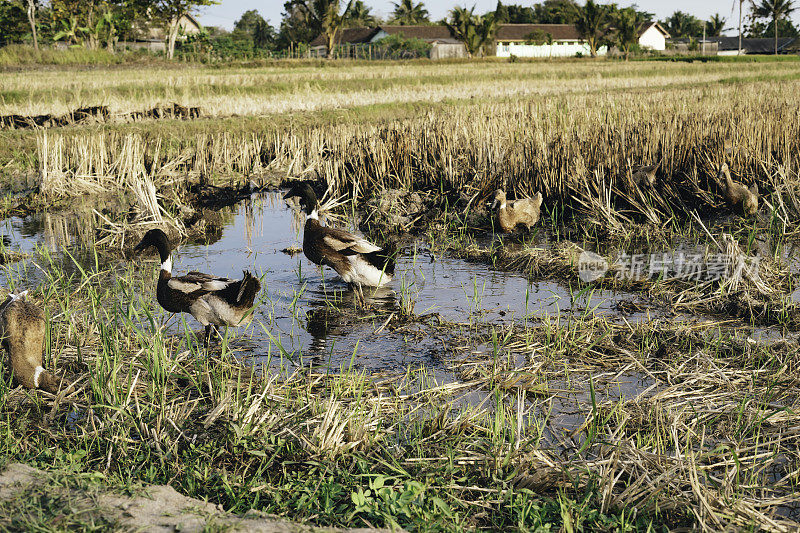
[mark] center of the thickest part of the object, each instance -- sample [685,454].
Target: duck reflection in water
[332,314]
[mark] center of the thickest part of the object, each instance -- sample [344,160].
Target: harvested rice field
[630,362]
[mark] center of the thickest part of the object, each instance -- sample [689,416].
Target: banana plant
[71,31]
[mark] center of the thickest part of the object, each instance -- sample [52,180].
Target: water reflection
[309,314]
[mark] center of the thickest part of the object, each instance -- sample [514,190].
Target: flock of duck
[217,301]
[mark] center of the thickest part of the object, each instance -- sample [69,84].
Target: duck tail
[384,259]
[248,289]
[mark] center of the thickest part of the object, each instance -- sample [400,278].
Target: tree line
[102,23]
[93,24]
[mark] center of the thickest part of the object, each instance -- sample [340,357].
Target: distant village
[349,29]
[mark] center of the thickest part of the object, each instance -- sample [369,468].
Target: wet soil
[307,318]
[97,115]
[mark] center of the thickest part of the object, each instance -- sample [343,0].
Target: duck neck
[166,258]
[312,207]
[728,179]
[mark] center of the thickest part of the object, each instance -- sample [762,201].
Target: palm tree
[715,25]
[626,34]
[333,21]
[681,24]
[741,2]
[325,15]
[774,9]
[407,13]
[592,23]
[475,31]
[361,15]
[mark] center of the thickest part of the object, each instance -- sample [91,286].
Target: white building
[653,36]
[443,44]
[541,40]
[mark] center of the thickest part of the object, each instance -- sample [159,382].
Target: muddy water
[307,314]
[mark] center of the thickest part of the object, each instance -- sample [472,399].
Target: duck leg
[359,295]
[207,337]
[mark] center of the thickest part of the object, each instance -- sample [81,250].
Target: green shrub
[405,47]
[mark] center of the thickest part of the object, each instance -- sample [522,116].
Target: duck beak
[494,204]
[139,247]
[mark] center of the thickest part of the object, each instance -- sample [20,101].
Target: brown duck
[518,212]
[22,330]
[645,176]
[738,196]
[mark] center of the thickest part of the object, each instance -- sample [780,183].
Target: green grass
[344,450]
[348,449]
[26,56]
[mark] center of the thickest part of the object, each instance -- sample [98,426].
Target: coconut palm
[626,34]
[361,15]
[775,10]
[333,21]
[681,24]
[475,31]
[592,23]
[715,25]
[407,13]
[326,15]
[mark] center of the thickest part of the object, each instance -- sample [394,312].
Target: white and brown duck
[644,177]
[358,262]
[214,301]
[740,198]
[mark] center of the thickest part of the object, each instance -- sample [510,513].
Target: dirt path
[32,498]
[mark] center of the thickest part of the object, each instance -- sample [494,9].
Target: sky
[228,11]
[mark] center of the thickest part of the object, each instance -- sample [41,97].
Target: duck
[738,196]
[358,262]
[213,301]
[524,211]
[645,176]
[22,330]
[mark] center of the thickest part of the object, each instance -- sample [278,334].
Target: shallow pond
[308,312]
[307,317]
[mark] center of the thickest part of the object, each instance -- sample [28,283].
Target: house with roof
[729,46]
[541,40]
[521,40]
[150,36]
[443,44]
[653,36]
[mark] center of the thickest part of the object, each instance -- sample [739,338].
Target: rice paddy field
[491,385]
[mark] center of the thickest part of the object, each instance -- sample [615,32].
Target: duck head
[499,198]
[157,239]
[308,198]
